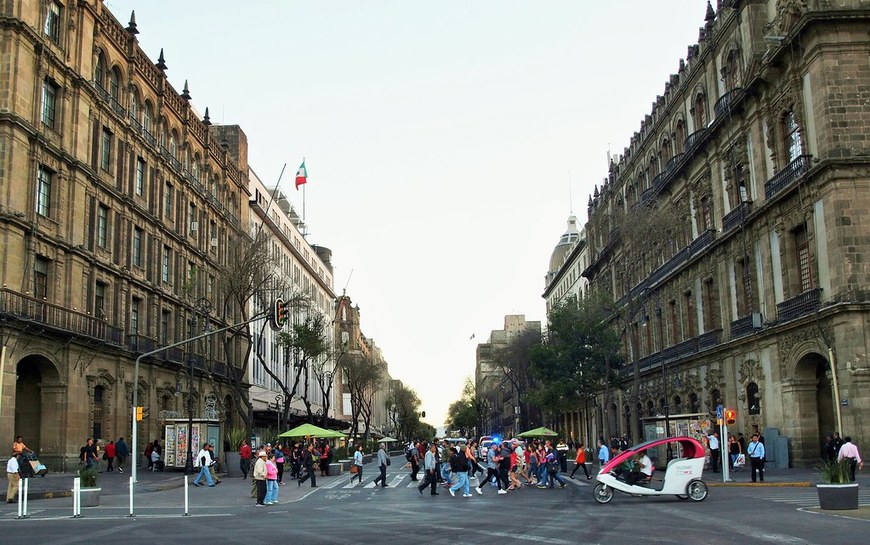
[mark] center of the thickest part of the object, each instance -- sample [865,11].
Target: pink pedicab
[682,477]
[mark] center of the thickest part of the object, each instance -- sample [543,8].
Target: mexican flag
[301,175]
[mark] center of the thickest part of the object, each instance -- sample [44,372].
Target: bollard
[77,500]
[131,497]
[26,491]
[20,504]
[186,498]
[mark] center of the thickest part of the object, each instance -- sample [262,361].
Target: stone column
[802,424]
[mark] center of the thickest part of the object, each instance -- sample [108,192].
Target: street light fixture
[278,399]
[201,307]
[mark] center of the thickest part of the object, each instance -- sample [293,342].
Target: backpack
[409,454]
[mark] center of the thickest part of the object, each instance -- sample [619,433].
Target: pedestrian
[212,465]
[733,451]
[324,458]
[514,466]
[580,461]
[828,448]
[12,474]
[121,451]
[430,478]
[849,452]
[358,464]
[308,464]
[271,479]
[715,453]
[149,448]
[504,466]
[414,460]
[383,462]
[838,442]
[157,462]
[279,461]
[245,454]
[491,470]
[88,454]
[553,469]
[756,457]
[459,467]
[603,453]
[201,463]
[109,455]
[259,474]
[473,466]
[18,446]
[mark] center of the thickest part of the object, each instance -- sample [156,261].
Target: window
[106,150]
[52,22]
[40,278]
[168,207]
[173,146]
[706,213]
[49,102]
[102,225]
[140,176]
[134,106]
[164,327]
[134,316]
[43,191]
[193,225]
[137,247]
[803,256]
[97,412]
[99,72]
[100,300]
[679,136]
[731,71]
[114,84]
[146,117]
[167,261]
[753,400]
[700,112]
[793,142]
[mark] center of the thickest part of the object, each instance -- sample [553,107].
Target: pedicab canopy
[684,447]
[539,432]
[310,430]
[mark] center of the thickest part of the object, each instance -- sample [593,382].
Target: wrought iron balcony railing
[800,305]
[14,305]
[787,176]
[735,217]
[727,101]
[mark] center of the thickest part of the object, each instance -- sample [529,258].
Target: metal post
[726,476]
[26,491]
[186,496]
[77,490]
[20,505]
[131,497]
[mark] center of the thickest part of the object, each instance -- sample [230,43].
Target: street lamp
[201,307]
[278,399]
[667,406]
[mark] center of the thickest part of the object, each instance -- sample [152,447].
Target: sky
[446,142]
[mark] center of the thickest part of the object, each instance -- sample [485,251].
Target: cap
[261,453]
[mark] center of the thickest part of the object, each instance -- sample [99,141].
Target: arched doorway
[813,403]
[33,375]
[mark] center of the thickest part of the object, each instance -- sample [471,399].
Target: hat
[515,440]
[261,453]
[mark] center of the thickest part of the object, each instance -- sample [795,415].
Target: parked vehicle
[483,447]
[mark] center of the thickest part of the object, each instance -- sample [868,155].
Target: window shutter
[149,264]
[129,234]
[132,170]
[154,192]
[119,173]
[95,147]
[92,219]
[118,229]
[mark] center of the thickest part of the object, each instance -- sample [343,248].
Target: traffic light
[280,315]
[423,414]
[139,413]
[730,417]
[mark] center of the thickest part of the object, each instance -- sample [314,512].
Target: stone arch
[38,390]
[101,388]
[809,396]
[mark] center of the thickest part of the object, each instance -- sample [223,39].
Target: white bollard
[20,504]
[26,490]
[131,497]
[77,491]
[186,497]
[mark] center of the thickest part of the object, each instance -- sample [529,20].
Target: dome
[565,245]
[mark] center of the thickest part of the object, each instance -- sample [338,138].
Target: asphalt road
[338,512]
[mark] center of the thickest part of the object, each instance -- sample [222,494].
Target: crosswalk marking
[397,479]
[351,485]
[333,484]
[370,485]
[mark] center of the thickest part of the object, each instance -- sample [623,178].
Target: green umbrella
[310,430]
[539,432]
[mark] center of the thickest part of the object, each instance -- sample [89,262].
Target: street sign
[719,411]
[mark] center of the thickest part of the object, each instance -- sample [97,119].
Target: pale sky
[438,136]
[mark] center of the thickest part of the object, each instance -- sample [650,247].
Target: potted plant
[90,493]
[233,438]
[835,490]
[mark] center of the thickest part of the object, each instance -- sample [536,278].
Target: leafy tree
[469,412]
[403,409]
[514,360]
[362,376]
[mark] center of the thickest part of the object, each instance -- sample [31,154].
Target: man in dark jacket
[121,451]
[308,464]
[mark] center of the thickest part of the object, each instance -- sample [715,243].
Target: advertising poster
[169,446]
[181,443]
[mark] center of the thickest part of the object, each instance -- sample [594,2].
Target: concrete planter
[90,497]
[336,469]
[345,465]
[838,496]
[367,458]
[232,466]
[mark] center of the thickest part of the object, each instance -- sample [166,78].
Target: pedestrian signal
[139,413]
[730,417]
[280,314]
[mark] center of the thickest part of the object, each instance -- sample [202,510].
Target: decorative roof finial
[131,26]
[185,93]
[710,13]
[161,62]
[595,193]
[206,120]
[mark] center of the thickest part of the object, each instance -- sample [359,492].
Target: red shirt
[245,452]
[110,451]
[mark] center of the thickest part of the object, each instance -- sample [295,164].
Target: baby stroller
[34,468]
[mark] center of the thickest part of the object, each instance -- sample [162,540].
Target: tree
[309,343]
[514,360]
[403,409]
[362,377]
[579,357]
[468,413]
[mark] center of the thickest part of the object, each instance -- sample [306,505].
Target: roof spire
[206,120]
[710,13]
[131,26]
[161,62]
[185,93]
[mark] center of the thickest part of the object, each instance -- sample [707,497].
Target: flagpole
[303,194]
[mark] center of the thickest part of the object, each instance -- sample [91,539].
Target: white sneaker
[479,491]
[502,491]
[466,495]
[452,493]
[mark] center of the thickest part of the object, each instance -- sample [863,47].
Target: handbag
[388,461]
[354,468]
[740,461]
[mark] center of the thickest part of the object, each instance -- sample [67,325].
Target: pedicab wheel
[696,490]
[602,493]
[682,496]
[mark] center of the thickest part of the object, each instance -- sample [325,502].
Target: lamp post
[278,399]
[667,406]
[201,307]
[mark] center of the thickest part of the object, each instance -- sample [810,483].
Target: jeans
[554,476]
[382,477]
[490,473]
[271,491]
[461,482]
[203,471]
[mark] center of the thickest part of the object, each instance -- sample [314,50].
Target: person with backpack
[553,470]
[459,466]
[414,460]
[383,462]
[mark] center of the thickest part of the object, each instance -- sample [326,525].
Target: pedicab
[682,477]
[37,469]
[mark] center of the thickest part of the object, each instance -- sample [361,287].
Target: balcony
[787,176]
[735,217]
[702,241]
[116,106]
[680,351]
[672,164]
[746,325]
[727,101]
[149,137]
[800,305]
[693,140]
[141,344]
[13,305]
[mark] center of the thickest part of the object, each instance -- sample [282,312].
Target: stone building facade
[118,207]
[755,296]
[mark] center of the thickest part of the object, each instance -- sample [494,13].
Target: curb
[768,485]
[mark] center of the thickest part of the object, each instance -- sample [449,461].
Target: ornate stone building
[118,204]
[755,294]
